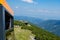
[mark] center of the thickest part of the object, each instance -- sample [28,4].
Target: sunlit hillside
[27,31]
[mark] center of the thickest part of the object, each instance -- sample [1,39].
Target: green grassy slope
[22,34]
[40,34]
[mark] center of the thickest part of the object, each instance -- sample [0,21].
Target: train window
[7,20]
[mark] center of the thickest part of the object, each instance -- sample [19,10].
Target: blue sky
[44,9]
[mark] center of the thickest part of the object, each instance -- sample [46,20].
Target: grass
[9,34]
[22,34]
[24,31]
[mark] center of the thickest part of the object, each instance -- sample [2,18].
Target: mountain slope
[50,25]
[40,34]
[22,34]
[29,19]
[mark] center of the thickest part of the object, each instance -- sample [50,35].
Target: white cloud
[29,1]
[27,9]
[16,7]
[39,10]
[44,11]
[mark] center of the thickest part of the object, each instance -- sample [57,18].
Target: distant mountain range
[29,19]
[50,25]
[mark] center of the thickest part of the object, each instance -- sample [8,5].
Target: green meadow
[28,31]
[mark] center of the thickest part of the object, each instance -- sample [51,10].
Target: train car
[6,21]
